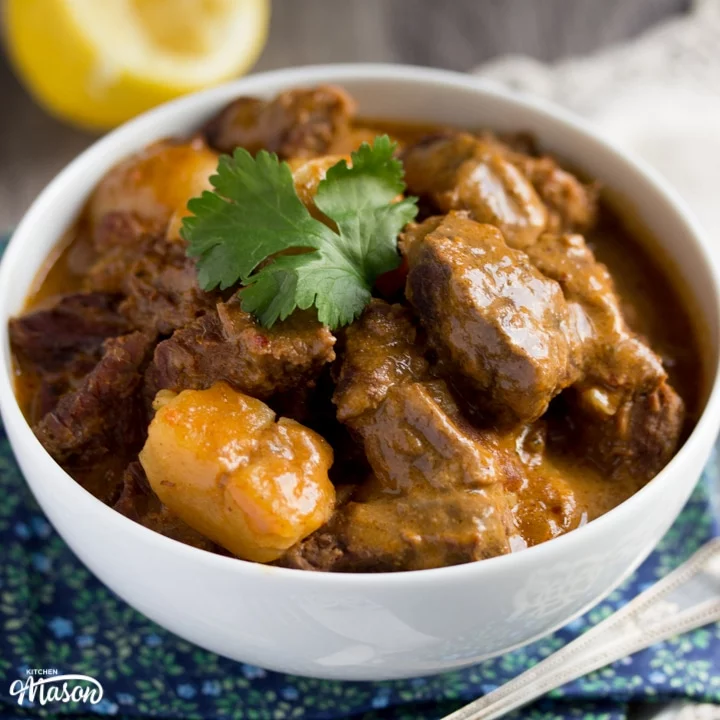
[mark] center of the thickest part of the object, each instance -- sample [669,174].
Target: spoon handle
[686,599]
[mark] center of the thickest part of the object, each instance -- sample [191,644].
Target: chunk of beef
[104,412]
[108,273]
[522,326]
[636,436]
[460,172]
[48,388]
[162,290]
[159,282]
[498,324]
[228,344]
[627,415]
[60,342]
[613,355]
[436,497]
[138,502]
[380,351]
[322,551]
[297,123]
[436,494]
[417,437]
[415,532]
[571,204]
[52,337]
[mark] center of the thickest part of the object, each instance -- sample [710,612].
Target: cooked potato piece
[154,185]
[307,175]
[221,463]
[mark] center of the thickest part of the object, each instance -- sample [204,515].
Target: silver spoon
[686,599]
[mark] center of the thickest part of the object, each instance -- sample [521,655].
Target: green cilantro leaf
[254,216]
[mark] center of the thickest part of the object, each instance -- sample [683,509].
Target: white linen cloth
[657,95]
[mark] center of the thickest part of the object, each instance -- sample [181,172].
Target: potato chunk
[154,185]
[308,174]
[219,461]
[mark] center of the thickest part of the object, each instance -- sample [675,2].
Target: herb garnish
[254,214]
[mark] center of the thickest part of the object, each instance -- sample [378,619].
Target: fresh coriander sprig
[254,215]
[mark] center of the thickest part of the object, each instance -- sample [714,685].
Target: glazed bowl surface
[366,627]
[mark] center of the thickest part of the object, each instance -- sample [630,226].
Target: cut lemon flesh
[98,63]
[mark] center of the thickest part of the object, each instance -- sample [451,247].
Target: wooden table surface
[455,34]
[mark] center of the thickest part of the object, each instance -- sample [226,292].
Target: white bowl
[364,627]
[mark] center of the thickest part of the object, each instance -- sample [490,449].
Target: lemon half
[97,63]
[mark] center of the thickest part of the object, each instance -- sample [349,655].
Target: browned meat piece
[415,532]
[104,413]
[162,291]
[297,123]
[159,283]
[417,438]
[53,336]
[109,272]
[436,495]
[228,344]
[238,125]
[636,437]
[322,551]
[493,323]
[572,205]
[48,388]
[626,413]
[612,354]
[58,344]
[496,321]
[460,172]
[380,351]
[138,502]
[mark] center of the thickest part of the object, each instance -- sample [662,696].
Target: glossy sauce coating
[220,462]
[566,490]
[461,172]
[492,316]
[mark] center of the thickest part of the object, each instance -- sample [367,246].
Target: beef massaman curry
[363,346]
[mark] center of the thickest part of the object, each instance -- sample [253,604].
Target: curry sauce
[466,421]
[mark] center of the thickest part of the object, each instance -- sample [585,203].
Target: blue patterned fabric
[55,614]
